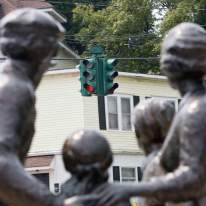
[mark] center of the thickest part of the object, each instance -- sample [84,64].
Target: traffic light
[109,75]
[88,69]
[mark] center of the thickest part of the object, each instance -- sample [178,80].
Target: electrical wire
[93,4]
[109,4]
[118,58]
[112,35]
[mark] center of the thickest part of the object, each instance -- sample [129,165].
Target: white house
[62,109]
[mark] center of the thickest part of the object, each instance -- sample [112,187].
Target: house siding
[123,142]
[62,109]
[59,111]
[64,64]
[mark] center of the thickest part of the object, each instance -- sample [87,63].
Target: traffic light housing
[109,75]
[88,72]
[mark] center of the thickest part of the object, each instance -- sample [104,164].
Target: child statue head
[183,55]
[29,35]
[152,120]
[85,151]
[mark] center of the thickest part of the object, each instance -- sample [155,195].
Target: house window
[118,112]
[126,174]
[43,177]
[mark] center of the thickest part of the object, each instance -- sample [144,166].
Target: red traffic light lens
[89,88]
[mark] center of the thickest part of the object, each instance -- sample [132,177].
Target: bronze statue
[183,153]
[29,40]
[152,120]
[87,156]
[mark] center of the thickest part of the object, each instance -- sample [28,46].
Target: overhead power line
[109,4]
[112,35]
[93,4]
[118,58]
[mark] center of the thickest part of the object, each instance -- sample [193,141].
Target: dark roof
[10,5]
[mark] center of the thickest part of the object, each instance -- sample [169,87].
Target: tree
[65,7]
[124,28]
[182,11]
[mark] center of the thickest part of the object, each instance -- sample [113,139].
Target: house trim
[69,50]
[55,14]
[121,74]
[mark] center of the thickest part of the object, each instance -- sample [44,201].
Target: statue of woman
[183,153]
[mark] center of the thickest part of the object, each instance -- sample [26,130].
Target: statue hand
[83,200]
[111,194]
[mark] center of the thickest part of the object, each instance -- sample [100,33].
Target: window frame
[41,170]
[42,173]
[120,175]
[119,112]
[135,177]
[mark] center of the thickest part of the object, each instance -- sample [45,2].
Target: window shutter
[135,100]
[101,109]
[116,173]
[139,173]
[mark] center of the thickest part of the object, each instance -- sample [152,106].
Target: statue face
[29,34]
[183,54]
[174,83]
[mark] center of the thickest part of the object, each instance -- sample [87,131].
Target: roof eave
[121,74]
[55,14]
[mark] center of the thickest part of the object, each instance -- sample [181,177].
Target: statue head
[183,53]
[29,34]
[85,151]
[151,121]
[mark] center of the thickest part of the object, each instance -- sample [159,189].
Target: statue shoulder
[12,87]
[196,106]
[194,112]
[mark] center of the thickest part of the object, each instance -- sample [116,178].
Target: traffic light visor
[88,75]
[88,63]
[111,90]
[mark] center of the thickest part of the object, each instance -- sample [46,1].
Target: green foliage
[66,7]
[124,28]
[184,11]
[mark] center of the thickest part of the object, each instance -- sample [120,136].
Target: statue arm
[184,183]
[169,154]
[188,179]
[17,186]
